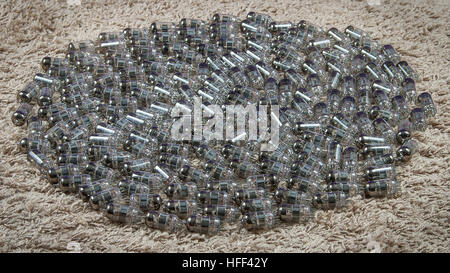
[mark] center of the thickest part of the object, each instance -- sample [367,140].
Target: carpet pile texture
[35,217]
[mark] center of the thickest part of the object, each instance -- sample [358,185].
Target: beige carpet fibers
[35,217]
